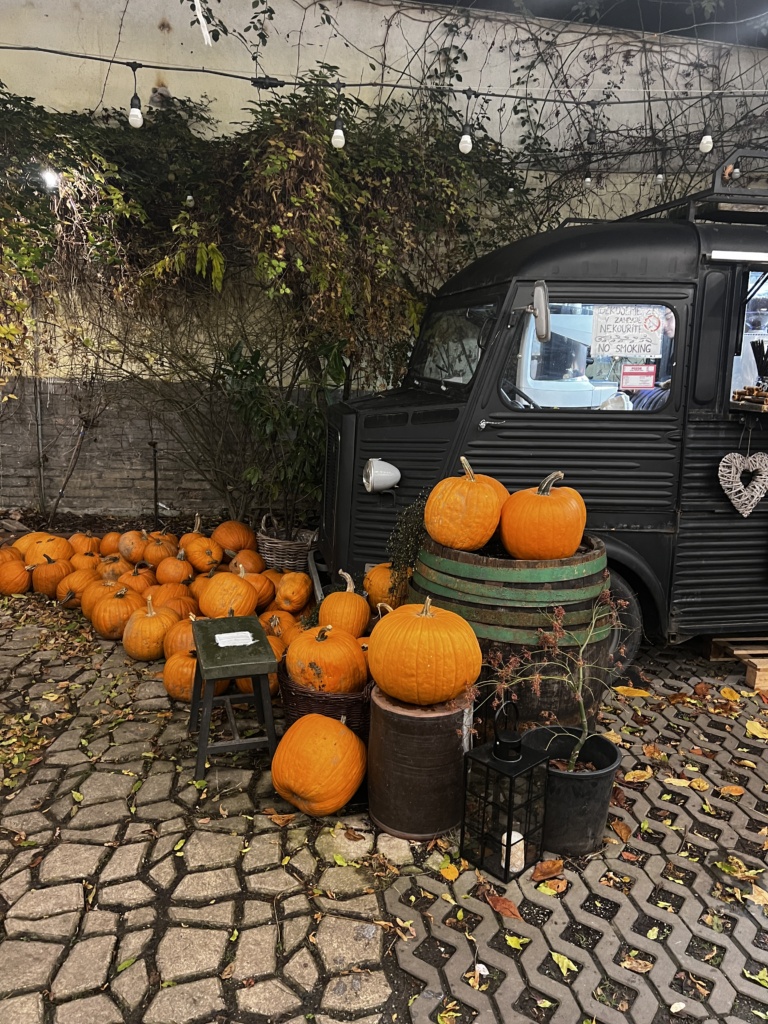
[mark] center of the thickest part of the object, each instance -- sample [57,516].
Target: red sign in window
[638,376]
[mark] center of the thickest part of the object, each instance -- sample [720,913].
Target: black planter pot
[577,802]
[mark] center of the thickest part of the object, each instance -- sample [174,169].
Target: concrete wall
[114,471]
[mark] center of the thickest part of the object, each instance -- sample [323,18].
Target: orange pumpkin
[345,609]
[131,545]
[174,569]
[70,589]
[272,574]
[183,606]
[461,511]
[501,491]
[543,522]
[47,576]
[378,584]
[94,592]
[227,592]
[327,660]
[166,591]
[204,553]
[319,765]
[15,578]
[179,676]
[180,636]
[112,567]
[277,623]
[111,613]
[363,641]
[26,540]
[424,655]
[199,583]
[278,649]
[165,534]
[233,536]
[265,590]
[146,630]
[140,578]
[10,554]
[158,548]
[54,547]
[85,560]
[85,542]
[109,543]
[249,560]
[293,591]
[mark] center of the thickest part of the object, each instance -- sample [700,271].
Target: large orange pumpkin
[378,584]
[54,547]
[132,544]
[47,576]
[501,491]
[319,764]
[180,637]
[112,567]
[174,569]
[265,588]
[249,560]
[543,522]
[109,543]
[234,536]
[140,578]
[84,542]
[94,592]
[85,560]
[70,589]
[15,578]
[204,553]
[145,632]
[10,554]
[26,540]
[245,685]
[461,511]
[326,659]
[280,624]
[293,591]
[424,655]
[227,592]
[111,613]
[344,609]
[179,676]
[158,548]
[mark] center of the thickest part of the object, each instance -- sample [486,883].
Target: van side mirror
[540,310]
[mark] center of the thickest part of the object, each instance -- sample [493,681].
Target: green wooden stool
[228,649]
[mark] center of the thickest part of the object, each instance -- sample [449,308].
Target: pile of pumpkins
[146,589]
[541,523]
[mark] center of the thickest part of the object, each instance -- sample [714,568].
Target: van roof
[664,251]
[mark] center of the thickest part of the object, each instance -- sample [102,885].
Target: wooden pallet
[752,651]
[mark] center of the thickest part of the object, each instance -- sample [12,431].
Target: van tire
[626,637]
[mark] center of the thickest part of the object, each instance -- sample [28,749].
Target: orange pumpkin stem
[425,611]
[387,607]
[467,468]
[323,634]
[150,607]
[350,582]
[121,593]
[546,485]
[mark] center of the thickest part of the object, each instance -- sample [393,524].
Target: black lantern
[504,792]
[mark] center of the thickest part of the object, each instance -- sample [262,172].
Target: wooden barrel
[510,602]
[416,766]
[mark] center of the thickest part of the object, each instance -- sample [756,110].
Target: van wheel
[626,637]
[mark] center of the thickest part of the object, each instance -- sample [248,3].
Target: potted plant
[582,763]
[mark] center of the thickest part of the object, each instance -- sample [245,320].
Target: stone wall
[114,472]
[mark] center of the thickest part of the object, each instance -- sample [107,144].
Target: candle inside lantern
[517,854]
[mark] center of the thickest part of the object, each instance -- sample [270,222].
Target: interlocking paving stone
[294,932]
[71,861]
[269,998]
[105,787]
[39,903]
[206,850]
[255,912]
[14,887]
[125,894]
[85,968]
[302,970]
[272,883]
[263,852]
[164,873]
[131,985]
[304,863]
[125,862]
[142,917]
[187,1001]
[133,945]
[92,1010]
[356,906]
[207,885]
[354,993]
[333,842]
[188,953]
[59,928]
[27,966]
[397,851]
[346,881]
[256,952]
[95,815]
[344,943]
[23,1009]
[217,915]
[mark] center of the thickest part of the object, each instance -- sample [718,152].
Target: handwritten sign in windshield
[630,331]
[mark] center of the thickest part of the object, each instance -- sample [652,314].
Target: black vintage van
[655,321]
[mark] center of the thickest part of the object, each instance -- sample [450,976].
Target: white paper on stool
[234,639]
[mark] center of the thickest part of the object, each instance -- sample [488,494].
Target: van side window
[451,342]
[599,356]
[751,363]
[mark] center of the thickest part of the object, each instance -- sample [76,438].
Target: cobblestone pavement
[129,894]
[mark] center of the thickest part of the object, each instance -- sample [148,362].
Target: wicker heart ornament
[730,471]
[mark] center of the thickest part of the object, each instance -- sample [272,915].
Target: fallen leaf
[638,775]
[632,691]
[563,963]
[676,1007]
[228,971]
[701,689]
[516,941]
[632,963]
[754,728]
[449,899]
[654,752]
[758,895]
[761,978]
[546,869]
[700,784]
[126,964]
[732,790]
[553,887]
[451,872]
[353,836]
[677,782]
[281,819]
[503,906]
[729,693]
[622,830]
[652,933]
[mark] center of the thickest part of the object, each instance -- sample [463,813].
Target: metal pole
[153,446]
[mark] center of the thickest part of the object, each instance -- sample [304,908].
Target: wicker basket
[353,708]
[279,553]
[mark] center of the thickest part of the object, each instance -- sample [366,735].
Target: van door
[603,402]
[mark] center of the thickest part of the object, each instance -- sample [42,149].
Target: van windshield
[450,343]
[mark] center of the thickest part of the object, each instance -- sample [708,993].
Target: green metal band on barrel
[531,638]
[592,562]
[475,593]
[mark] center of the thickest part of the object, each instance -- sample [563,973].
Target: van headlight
[380,476]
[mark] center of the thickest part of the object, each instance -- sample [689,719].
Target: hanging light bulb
[706,144]
[465,142]
[660,176]
[50,179]
[736,172]
[135,116]
[338,138]
[588,178]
